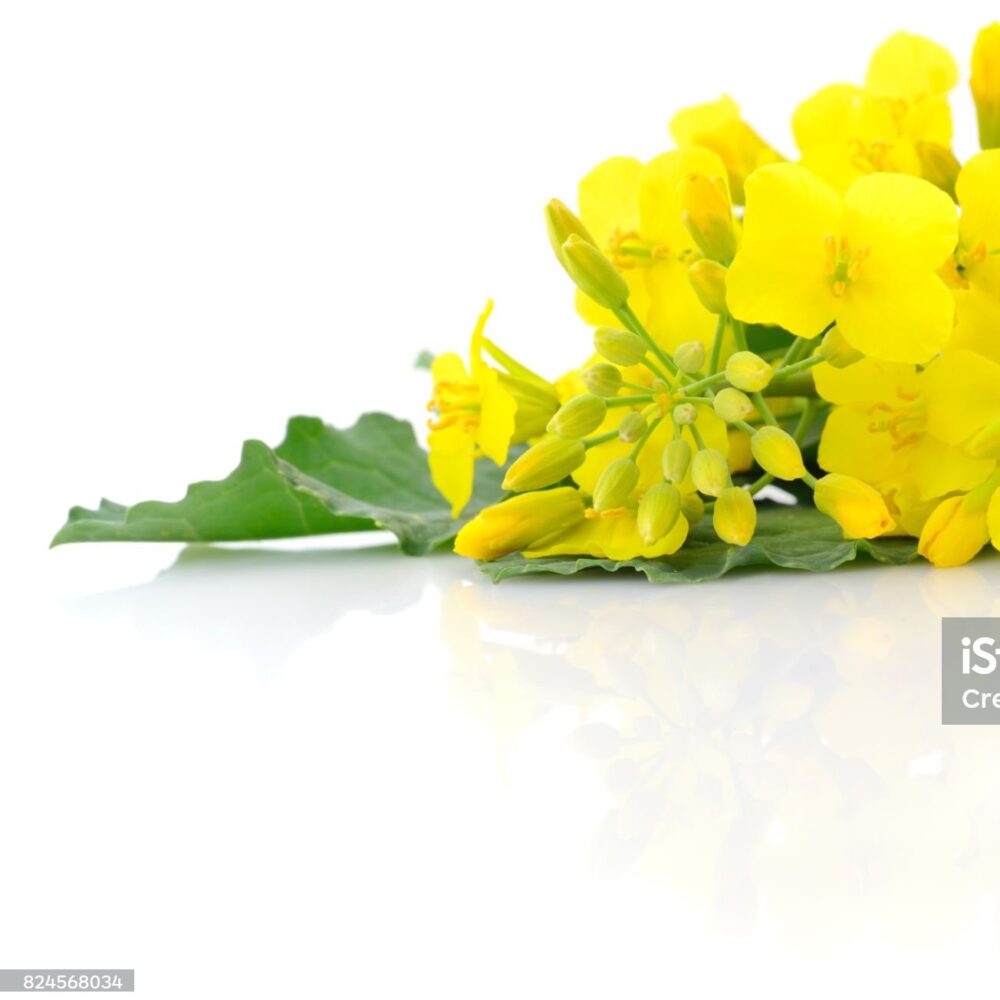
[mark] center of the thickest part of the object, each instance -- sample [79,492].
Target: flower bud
[708,279]
[732,405]
[739,456]
[710,472]
[993,519]
[602,379]
[855,506]
[516,523]
[658,511]
[939,165]
[615,484]
[953,533]
[593,273]
[578,416]
[684,414]
[693,508]
[734,516]
[707,215]
[676,460]
[985,85]
[622,347]
[632,427]
[561,223]
[777,452]
[748,371]
[985,443]
[545,463]
[837,351]
[690,356]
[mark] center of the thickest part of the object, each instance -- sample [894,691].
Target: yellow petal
[448,367]
[615,537]
[451,464]
[674,313]
[848,446]
[936,469]
[993,519]
[962,392]
[977,327]
[609,198]
[952,535]
[911,68]
[496,417]
[866,381]
[778,275]
[976,190]
[659,206]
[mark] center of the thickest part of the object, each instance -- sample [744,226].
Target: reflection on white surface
[392,769]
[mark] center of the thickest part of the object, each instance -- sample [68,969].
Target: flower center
[871,157]
[842,263]
[454,403]
[904,423]
[629,249]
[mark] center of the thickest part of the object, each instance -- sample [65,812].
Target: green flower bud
[658,512]
[734,516]
[732,405]
[710,472]
[748,371]
[837,351]
[578,416]
[776,452]
[658,386]
[693,508]
[939,165]
[545,463]
[707,215]
[684,413]
[708,279]
[560,224]
[986,442]
[690,356]
[676,460]
[621,347]
[593,273]
[632,427]
[602,379]
[615,484]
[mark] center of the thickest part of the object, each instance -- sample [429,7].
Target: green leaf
[318,481]
[797,537]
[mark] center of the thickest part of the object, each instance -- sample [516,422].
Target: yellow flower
[855,506]
[961,525]
[985,84]
[866,261]
[633,212]
[518,522]
[480,411]
[978,255]
[718,126]
[903,430]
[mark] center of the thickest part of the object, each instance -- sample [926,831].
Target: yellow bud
[734,516]
[622,347]
[593,273]
[837,351]
[693,508]
[855,506]
[676,460]
[545,463]
[985,85]
[748,371]
[953,533]
[578,416]
[615,484]
[776,452]
[602,379]
[708,216]
[690,356]
[658,511]
[732,405]
[684,414]
[632,427]
[985,443]
[516,523]
[740,457]
[939,165]
[708,279]
[561,223]
[710,472]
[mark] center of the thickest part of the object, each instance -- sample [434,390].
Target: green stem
[720,333]
[657,371]
[629,400]
[794,352]
[653,424]
[765,410]
[697,437]
[810,480]
[632,322]
[600,439]
[799,366]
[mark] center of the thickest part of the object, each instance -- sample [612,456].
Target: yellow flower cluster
[739,300]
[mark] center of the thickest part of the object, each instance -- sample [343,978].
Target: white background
[334,773]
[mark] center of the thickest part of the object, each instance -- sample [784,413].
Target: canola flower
[746,307]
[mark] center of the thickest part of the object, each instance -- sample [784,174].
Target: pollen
[842,263]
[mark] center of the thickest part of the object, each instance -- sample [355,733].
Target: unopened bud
[985,85]
[748,371]
[734,516]
[593,273]
[621,347]
[690,356]
[985,443]
[776,452]
[545,463]
[732,405]
[706,212]
[676,460]
[710,472]
[837,351]
[578,416]
[684,413]
[708,279]
[632,427]
[560,224]
[602,379]
[615,484]
[693,508]
[658,511]
[855,506]
[939,165]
